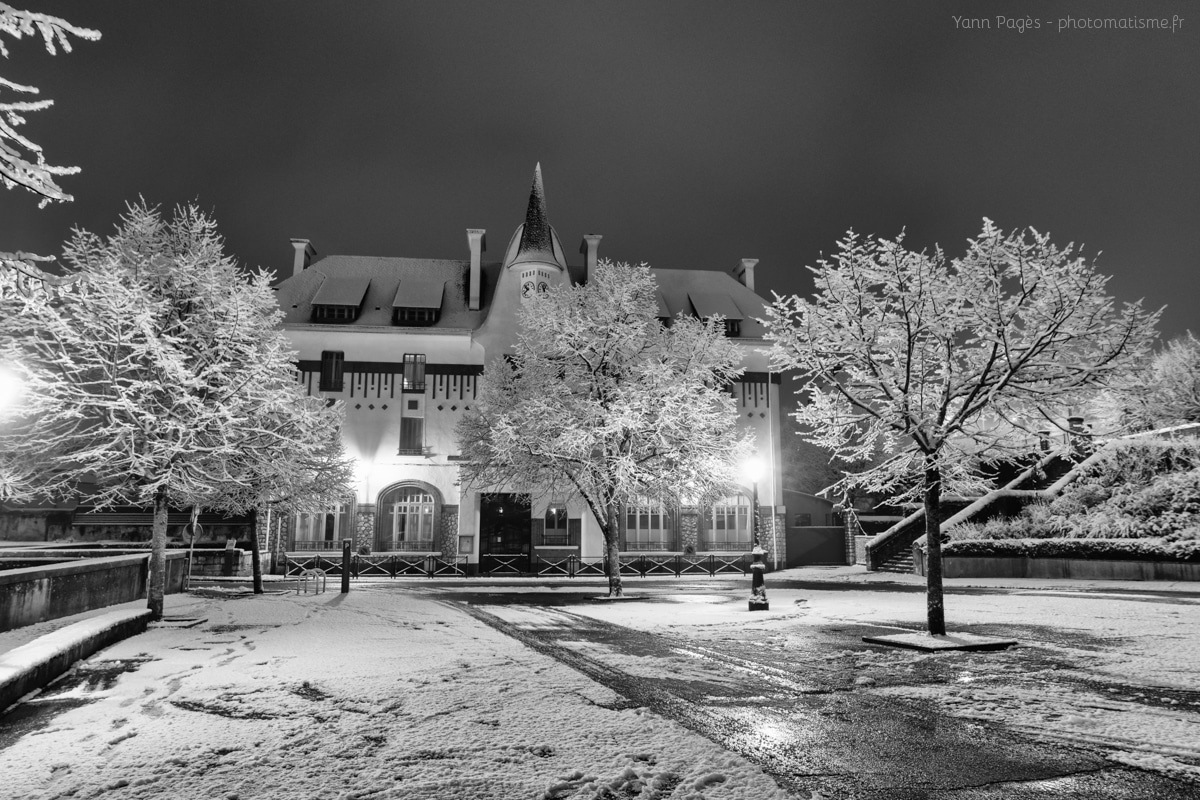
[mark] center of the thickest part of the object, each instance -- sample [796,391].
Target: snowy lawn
[375,694]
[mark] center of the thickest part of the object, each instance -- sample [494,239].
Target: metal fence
[643,565]
[390,566]
[432,566]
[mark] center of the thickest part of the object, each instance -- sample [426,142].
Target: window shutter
[574,531]
[346,524]
[537,530]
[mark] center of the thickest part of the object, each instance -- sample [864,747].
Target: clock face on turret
[535,281]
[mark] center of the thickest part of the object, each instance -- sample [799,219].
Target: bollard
[346,566]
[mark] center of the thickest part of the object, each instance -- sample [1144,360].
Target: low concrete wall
[37,594]
[34,665]
[1078,568]
[214,563]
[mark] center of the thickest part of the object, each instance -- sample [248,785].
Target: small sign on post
[346,565]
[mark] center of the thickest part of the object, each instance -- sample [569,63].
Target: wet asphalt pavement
[799,715]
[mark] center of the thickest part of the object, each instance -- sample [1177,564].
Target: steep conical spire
[536,235]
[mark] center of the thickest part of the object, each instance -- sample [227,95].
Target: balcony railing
[418,546]
[317,544]
[556,539]
[736,545]
[644,546]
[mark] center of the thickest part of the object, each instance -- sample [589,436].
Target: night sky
[689,133]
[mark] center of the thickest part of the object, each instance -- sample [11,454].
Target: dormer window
[339,300]
[713,304]
[328,313]
[664,313]
[418,303]
[415,317]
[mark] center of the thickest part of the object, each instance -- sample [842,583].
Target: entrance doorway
[504,533]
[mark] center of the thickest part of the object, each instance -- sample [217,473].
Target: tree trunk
[255,561]
[612,552]
[933,540]
[158,556]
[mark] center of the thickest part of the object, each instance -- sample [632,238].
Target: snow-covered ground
[1114,670]
[375,694]
[387,693]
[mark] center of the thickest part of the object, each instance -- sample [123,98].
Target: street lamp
[753,470]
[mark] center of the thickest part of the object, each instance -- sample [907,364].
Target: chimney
[477,241]
[744,272]
[591,243]
[304,255]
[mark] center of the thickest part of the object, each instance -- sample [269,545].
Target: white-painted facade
[402,437]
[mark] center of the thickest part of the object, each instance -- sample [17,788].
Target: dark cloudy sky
[688,133]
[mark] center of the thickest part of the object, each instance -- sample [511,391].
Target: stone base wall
[364,527]
[448,532]
[279,538]
[261,531]
[860,549]
[689,530]
[221,563]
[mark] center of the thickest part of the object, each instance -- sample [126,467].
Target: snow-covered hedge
[1139,489]
[1092,549]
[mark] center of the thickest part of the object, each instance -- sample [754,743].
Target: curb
[35,665]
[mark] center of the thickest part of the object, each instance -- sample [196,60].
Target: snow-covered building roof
[376,287]
[392,282]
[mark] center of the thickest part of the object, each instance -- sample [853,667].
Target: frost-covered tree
[161,377]
[599,398]
[22,162]
[1163,393]
[939,361]
[291,461]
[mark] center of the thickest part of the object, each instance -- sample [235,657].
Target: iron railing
[500,565]
[379,566]
[736,546]
[648,545]
[644,565]
[418,546]
[317,544]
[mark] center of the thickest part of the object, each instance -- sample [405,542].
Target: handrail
[886,544]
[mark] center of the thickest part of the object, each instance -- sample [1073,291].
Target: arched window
[407,517]
[729,524]
[649,526]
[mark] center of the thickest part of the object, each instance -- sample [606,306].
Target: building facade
[402,342]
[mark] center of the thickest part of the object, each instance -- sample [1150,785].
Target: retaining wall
[37,594]
[1078,568]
